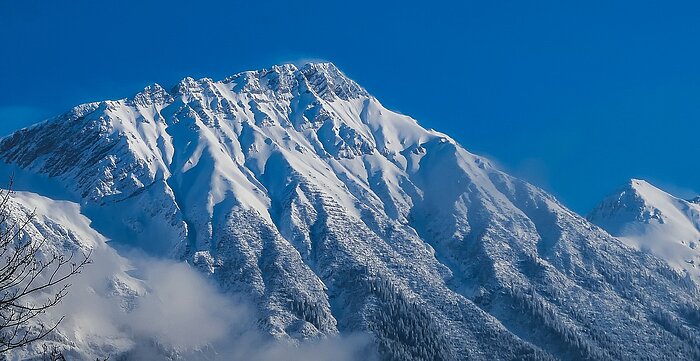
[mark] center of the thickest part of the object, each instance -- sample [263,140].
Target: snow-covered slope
[66,231]
[650,219]
[124,308]
[299,190]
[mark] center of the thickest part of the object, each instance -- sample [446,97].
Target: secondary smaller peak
[636,183]
[152,94]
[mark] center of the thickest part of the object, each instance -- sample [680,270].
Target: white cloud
[162,307]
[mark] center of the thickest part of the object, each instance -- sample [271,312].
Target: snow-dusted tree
[32,279]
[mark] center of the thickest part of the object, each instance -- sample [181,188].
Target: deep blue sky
[576,98]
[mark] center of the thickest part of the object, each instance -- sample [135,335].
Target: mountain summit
[647,218]
[297,190]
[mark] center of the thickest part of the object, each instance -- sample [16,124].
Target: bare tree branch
[28,273]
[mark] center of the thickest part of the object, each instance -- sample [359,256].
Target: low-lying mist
[142,308]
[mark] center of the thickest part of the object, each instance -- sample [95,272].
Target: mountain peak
[642,188]
[190,87]
[150,95]
[635,182]
[325,67]
[328,81]
[323,79]
[634,202]
[646,217]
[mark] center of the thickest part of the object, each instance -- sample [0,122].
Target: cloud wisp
[139,308]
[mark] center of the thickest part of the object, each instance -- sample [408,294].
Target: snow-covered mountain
[647,218]
[299,191]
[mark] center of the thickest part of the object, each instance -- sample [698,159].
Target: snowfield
[652,220]
[299,194]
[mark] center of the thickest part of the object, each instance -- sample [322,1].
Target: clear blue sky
[576,97]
